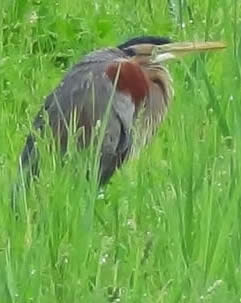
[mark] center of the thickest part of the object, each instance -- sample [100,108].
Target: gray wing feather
[86,92]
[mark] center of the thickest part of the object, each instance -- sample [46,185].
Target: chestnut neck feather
[136,77]
[132,80]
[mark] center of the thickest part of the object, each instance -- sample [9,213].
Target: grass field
[168,226]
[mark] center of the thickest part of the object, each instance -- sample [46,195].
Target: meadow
[167,228]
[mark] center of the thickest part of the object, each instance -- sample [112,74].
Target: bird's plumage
[85,93]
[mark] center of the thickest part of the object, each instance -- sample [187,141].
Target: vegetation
[168,226]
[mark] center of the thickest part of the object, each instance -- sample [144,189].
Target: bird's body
[125,84]
[84,95]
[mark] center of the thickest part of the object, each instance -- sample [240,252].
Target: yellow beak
[169,51]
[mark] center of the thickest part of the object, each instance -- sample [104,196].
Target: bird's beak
[169,51]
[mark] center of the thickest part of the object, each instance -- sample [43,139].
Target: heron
[130,82]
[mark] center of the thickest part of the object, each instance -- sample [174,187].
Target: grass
[167,228]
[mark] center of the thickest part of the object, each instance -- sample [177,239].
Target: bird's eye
[129,51]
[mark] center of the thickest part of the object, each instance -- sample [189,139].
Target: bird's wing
[83,97]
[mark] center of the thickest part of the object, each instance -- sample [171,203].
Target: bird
[126,88]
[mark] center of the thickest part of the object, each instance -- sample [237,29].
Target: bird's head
[156,50]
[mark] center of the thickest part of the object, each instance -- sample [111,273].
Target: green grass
[168,226]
